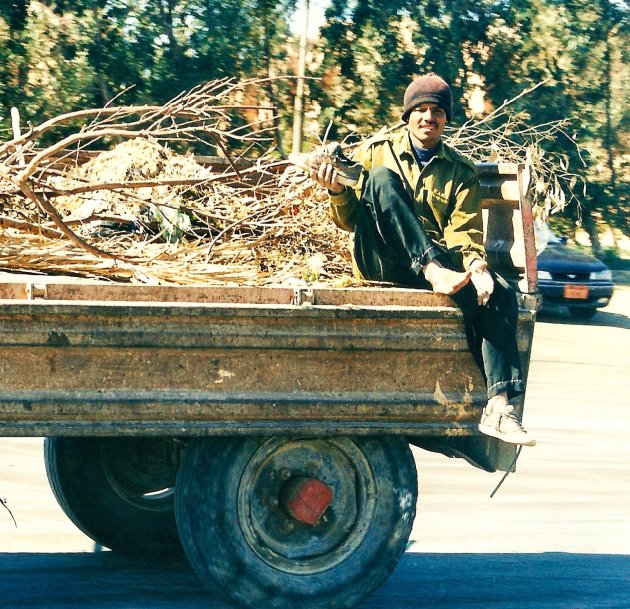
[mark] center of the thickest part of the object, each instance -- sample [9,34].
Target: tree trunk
[270,91]
[609,137]
[590,226]
[166,14]
[106,95]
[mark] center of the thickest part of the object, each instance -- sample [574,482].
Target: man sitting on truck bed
[414,206]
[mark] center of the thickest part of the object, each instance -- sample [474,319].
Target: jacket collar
[403,148]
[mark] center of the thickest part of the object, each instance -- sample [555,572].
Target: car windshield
[544,235]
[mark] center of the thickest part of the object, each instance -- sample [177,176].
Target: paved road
[556,535]
[421,581]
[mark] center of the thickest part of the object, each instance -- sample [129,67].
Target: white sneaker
[504,424]
[349,172]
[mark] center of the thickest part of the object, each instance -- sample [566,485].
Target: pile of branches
[508,135]
[145,212]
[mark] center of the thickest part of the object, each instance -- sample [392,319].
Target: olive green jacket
[445,193]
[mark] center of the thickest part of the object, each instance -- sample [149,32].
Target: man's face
[426,124]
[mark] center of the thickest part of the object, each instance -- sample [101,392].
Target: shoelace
[510,415]
[332,153]
[335,159]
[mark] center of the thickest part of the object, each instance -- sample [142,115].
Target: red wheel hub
[306,499]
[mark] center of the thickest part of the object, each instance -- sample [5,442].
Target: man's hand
[483,282]
[327,177]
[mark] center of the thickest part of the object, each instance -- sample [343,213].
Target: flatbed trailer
[264,430]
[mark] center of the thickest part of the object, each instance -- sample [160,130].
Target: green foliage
[580,51]
[48,50]
[61,55]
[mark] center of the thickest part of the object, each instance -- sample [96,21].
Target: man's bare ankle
[444,280]
[497,402]
[432,267]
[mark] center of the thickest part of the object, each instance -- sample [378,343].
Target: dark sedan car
[570,278]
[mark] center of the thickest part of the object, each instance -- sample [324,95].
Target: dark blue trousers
[390,244]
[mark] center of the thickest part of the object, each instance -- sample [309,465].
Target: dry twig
[507,135]
[142,213]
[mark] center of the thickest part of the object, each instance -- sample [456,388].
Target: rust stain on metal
[459,407]
[468,390]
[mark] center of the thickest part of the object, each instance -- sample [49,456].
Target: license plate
[576,292]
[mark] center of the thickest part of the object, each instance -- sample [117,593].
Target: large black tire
[582,312]
[244,546]
[118,491]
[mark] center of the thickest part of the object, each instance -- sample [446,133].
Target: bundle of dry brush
[146,211]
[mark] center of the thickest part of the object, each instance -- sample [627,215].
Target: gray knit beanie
[429,88]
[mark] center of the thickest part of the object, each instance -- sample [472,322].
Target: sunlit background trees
[63,55]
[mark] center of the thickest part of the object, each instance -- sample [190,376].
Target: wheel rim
[142,472]
[282,541]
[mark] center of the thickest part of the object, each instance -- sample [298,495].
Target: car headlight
[605,275]
[544,275]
